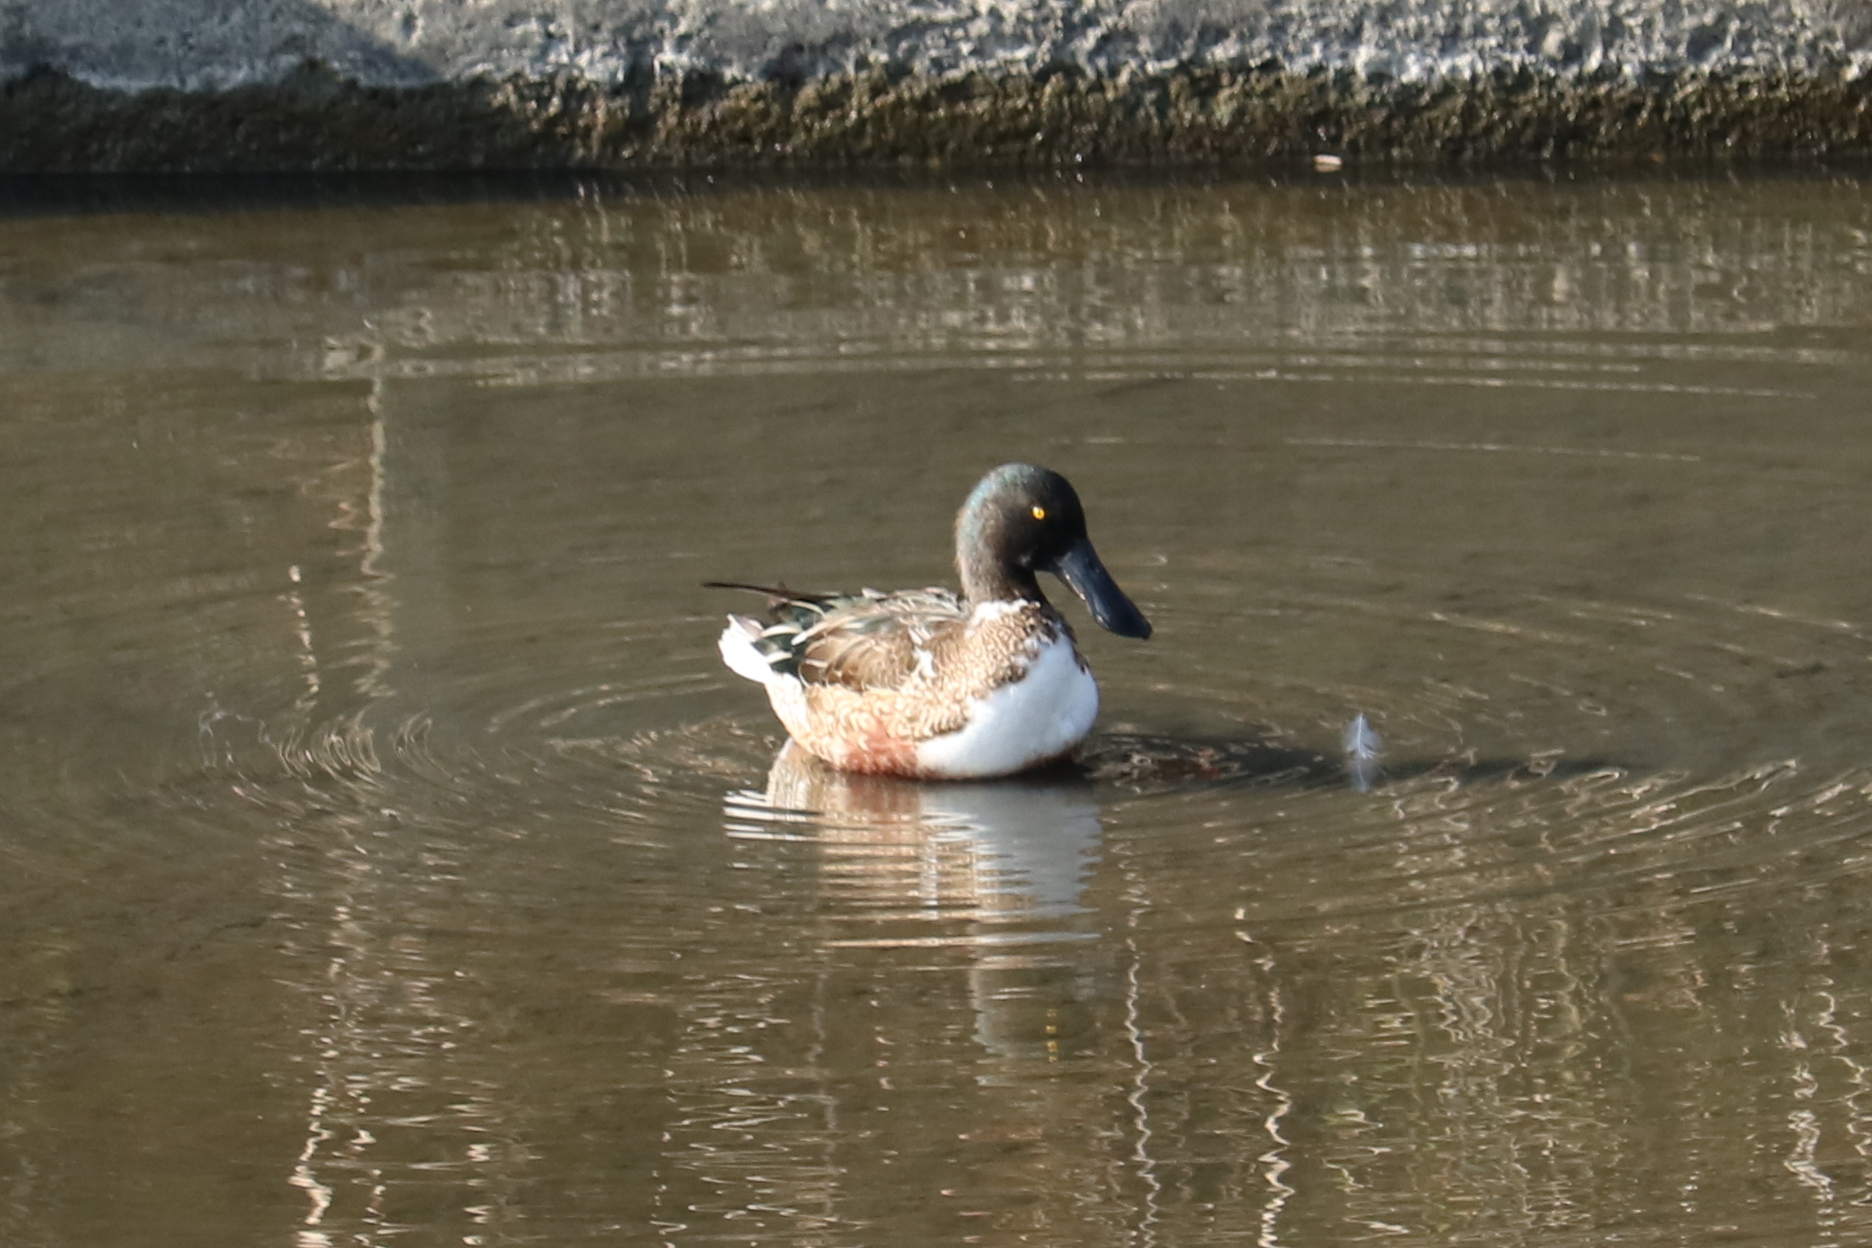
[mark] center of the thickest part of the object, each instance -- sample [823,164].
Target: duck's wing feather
[869,640]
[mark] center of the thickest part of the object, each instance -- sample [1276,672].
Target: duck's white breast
[1021,723]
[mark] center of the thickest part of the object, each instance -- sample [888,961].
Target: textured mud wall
[349,84]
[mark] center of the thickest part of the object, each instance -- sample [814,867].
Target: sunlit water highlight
[388,857]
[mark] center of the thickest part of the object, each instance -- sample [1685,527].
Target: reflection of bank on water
[377,865]
[1676,287]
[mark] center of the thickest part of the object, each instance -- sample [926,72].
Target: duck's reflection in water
[996,868]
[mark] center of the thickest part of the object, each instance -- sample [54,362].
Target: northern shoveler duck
[935,685]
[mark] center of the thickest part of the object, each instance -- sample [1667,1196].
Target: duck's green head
[1023,519]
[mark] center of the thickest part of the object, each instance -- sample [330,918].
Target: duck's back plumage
[869,640]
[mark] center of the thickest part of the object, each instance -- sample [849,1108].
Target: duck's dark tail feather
[778,593]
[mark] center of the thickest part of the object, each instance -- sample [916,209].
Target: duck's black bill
[1080,568]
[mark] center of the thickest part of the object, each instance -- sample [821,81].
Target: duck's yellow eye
[1039,513]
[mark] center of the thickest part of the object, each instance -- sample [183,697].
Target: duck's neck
[988,575]
[988,580]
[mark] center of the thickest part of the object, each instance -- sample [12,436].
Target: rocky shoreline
[665,85]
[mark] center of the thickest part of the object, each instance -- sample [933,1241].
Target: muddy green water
[385,857]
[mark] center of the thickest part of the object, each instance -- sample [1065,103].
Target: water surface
[387,857]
